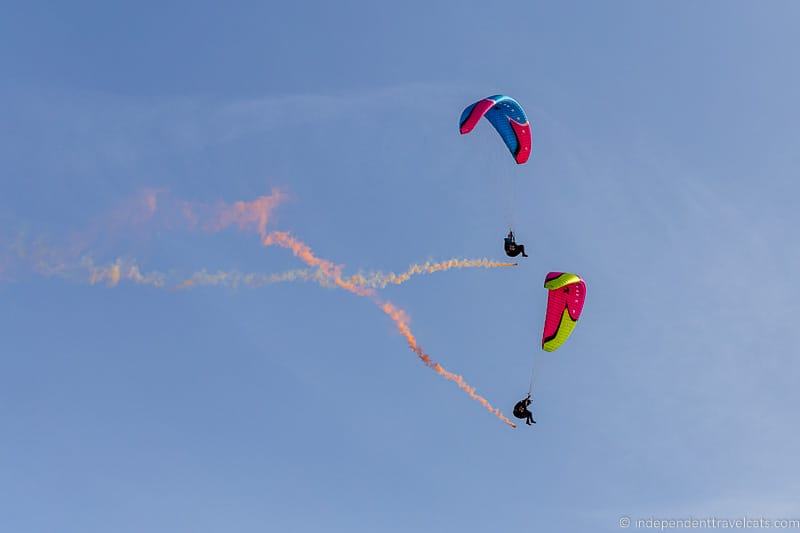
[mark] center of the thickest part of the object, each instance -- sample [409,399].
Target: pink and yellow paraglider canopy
[565,298]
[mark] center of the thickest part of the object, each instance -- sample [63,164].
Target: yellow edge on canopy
[564,279]
[565,327]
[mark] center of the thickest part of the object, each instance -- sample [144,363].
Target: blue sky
[664,172]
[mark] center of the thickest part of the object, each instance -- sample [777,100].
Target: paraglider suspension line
[530,385]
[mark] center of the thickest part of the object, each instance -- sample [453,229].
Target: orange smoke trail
[379,280]
[401,320]
[157,207]
[246,214]
[134,217]
[373,280]
[117,271]
[235,279]
[398,316]
[304,253]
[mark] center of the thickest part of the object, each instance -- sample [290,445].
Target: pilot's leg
[521,248]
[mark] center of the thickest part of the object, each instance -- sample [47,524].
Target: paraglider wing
[566,294]
[507,117]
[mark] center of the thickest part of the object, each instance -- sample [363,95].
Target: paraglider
[509,120]
[511,247]
[565,298]
[522,412]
